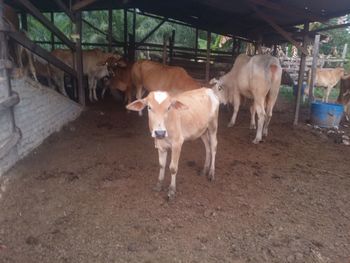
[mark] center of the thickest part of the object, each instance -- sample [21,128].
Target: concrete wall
[41,112]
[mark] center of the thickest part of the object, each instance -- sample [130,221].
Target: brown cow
[93,66]
[175,119]
[120,72]
[327,78]
[257,78]
[152,76]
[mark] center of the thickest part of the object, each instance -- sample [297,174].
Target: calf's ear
[213,81]
[137,105]
[178,105]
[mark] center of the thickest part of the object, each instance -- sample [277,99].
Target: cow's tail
[275,75]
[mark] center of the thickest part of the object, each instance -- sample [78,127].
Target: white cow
[257,78]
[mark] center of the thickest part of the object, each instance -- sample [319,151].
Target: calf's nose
[160,133]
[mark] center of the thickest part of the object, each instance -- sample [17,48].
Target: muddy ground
[85,195]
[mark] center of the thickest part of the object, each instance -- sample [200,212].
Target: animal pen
[83,195]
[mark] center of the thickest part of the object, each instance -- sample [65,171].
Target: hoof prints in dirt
[68,176]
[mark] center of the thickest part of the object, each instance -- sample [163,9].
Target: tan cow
[152,76]
[175,119]
[93,66]
[257,78]
[120,72]
[327,78]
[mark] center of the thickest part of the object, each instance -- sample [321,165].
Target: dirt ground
[86,195]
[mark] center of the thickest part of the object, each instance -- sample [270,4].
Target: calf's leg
[212,130]
[271,101]
[205,139]
[174,164]
[252,117]
[259,108]
[236,103]
[162,155]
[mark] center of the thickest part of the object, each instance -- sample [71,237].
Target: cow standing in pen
[176,119]
[257,78]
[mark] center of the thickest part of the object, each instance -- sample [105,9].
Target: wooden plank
[125,32]
[314,67]
[280,30]
[82,4]
[79,59]
[110,22]
[46,22]
[151,32]
[196,44]
[64,9]
[207,64]
[24,41]
[301,77]
[52,35]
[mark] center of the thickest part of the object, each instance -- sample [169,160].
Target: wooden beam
[110,23]
[151,32]
[46,22]
[64,9]
[125,32]
[24,21]
[24,41]
[207,64]
[79,59]
[196,45]
[314,67]
[52,35]
[301,77]
[84,3]
[279,30]
[287,9]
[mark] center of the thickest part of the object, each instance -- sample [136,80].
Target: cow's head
[159,105]
[113,63]
[220,90]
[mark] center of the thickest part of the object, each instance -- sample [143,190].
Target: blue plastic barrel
[326,115]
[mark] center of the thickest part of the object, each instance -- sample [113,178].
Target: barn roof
[228,17]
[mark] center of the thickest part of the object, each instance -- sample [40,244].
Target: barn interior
[84,195]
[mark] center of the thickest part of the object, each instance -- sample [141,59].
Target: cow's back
[155,76]
[202,110]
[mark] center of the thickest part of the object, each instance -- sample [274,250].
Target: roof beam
[279,30]
[287,9]
[81,4]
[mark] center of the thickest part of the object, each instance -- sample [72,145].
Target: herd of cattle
[179,109]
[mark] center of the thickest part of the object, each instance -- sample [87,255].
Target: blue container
[326,115]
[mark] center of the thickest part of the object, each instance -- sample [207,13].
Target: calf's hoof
[256,141]
[171,194]
[158,187]
[211,176]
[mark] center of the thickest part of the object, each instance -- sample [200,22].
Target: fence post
[207,64]
[313,68]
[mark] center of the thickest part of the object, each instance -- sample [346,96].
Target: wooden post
[207,64]
[196,46]
[110,23]
[125,32]
[314,67]
[133,36]
[24,21]
[52,34]
[301,75]
[171,46]
[343,55]
[165,40]
[79,58]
